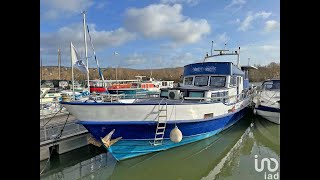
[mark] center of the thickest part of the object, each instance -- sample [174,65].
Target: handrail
[225,99]
[161,101]
[222,97]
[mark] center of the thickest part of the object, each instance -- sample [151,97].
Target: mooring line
[56,139]
[52,117]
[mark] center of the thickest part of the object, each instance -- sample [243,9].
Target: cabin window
[134,85]
[196,94]
[217,81]
[233,81]
[164,83]
[188,80]
[164,93]
[201,80]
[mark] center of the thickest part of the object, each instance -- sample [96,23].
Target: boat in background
[267,101]
[140,87]
[129,88]
[46,96]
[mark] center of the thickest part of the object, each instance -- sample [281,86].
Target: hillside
[270,71]
[51,72]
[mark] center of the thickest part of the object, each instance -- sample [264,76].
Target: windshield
[271,85]
[217,81]
[201,80]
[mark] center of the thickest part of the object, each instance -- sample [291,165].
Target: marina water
[248,150]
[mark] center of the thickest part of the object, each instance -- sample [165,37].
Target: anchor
[107,139]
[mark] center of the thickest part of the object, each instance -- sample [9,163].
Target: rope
[274,93]
[54,143]
[53,117]
[95,57]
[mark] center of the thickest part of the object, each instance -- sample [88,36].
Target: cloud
[246,23]
[164,21]
[169,46]
[61,8]
[222,38]
[135,59]
[100,5]
[271,25]
[261,52]
[189,2]
[50,42]
[181,60]
[236,3]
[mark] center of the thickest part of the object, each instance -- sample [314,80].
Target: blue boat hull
[137,137]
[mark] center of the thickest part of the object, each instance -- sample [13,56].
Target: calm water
[228,155]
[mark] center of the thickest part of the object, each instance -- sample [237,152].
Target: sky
[152,34]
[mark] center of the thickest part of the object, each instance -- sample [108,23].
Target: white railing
[222,98]
[51,108]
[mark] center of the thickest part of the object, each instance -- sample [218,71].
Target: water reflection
[229,155]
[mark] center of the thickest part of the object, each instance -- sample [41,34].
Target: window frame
[231,84]
[224,84]
[191,80]
[194,83]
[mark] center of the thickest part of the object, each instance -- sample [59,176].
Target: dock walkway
[73,136]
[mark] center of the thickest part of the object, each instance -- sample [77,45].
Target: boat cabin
[209,81]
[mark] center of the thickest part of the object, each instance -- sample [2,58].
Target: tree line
[269,71]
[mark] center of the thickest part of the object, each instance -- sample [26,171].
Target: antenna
[115,54]
[238,63]
[211,47]
[223,52]
[225,46]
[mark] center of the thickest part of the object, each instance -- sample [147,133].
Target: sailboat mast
[85,44]
[40,84]
[72,76]
[59,62]
[41,69]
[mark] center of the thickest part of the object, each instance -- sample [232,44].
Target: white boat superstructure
[267,101]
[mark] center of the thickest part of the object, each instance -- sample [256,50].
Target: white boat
[267,101]
[46,96]
[213,97]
